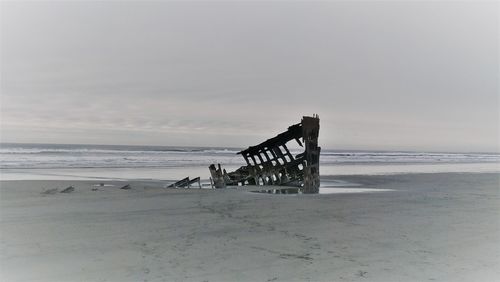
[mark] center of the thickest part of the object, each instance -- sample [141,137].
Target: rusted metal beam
[181,183]
[272,163]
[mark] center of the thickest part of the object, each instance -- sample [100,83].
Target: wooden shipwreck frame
[272,163]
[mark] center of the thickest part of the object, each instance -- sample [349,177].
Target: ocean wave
[18,151]
[99,156]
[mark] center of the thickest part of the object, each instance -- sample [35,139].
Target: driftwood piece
[272,163]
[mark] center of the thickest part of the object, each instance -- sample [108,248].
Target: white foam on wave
[140,160]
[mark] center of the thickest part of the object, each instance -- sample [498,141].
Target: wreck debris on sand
[272,163]
[185,183]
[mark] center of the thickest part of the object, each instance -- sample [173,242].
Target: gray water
[55,161]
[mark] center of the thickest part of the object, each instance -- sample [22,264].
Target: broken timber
[271,162]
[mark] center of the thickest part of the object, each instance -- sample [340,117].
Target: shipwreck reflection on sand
[325,190]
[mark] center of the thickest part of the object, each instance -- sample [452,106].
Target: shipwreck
[272,163]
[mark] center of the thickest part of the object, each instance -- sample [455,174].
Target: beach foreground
[432,227]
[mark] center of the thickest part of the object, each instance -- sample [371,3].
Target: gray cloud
[383,75]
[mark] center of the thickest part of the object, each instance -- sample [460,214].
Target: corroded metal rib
[272,163]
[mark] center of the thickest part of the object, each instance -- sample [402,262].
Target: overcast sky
[381,75]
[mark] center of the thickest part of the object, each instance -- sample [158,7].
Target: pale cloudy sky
[381,75]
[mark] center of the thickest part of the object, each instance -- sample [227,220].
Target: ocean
[63,161]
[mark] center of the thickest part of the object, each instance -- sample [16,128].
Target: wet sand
[432,227]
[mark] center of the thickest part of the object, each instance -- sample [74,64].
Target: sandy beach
[431,227]
[381,116]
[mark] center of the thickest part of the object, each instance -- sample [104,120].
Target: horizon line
[239,148]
